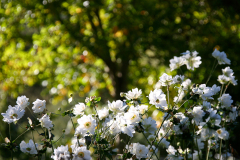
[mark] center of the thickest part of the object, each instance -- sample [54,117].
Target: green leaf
[97,99]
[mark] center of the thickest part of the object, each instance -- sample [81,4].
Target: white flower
[125,126]
[61,153]
[29,147]
[46,122]
[166,80]
[132,117]
[187,83]
[13,114]
[198,113]
[151,150]
[77,143]
[233,114]
[22,102]
[134,94]
[221,57]
[158,98]
[87,124]
[142,108]
[176,62]
[214,118]
[103,113]
[39,106]
[223,79]
[81,153]
[227,71]
[206,105]
[226,101]
[116,106]
[178,79]
[222,133]
[227,76]
[164,143]
[79,109]
[167,124]
[139,150]
[149,125]
[151,138]
[192,60]
[183,119]
[114,127]
[207,133]
[215,89]
[171,150]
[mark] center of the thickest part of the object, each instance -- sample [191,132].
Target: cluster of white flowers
[13,114]
[191,60]
[227,76]
[193,129]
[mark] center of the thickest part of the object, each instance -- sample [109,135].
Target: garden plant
[196,122]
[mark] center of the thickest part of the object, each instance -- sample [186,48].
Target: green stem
[160,141]
[208,149]
[58,139]
[226,87]
[35,145]
[10,131]
[221,90]
[213,68]
[168,96]
[21,134]
[75,131]
[220,149]
[150,145]
[1,136]
[31,113]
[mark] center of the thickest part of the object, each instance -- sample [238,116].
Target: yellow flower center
[14,115]
[133,117]
[219,131]
[81,154]
[87,124]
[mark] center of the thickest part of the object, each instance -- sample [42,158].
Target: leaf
[89,104]
[97,99]
[102,141]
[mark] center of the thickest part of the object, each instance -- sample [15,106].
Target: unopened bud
[63,130]
[122,94]
[59,109]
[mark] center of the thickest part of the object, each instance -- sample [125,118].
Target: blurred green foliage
[53,48]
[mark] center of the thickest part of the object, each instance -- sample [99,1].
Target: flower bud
[122,94]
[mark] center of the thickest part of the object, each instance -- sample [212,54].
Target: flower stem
[21,134]
[31,113]
[10,131]
[75,131]
[220,149]
[1,136]
[208,149]
[213,68]
[35,144]
[168,96]
[150,145]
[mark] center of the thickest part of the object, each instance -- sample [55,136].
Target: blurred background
[53,48]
